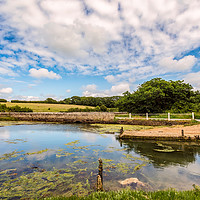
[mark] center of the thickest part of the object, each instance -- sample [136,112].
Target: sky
[63,48]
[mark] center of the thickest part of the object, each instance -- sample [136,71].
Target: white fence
[161,116]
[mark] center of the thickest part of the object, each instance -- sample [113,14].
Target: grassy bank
[37,107]
[139,195]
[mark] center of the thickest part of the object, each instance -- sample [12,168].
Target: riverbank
[177,133]
[84,117]
[140,195]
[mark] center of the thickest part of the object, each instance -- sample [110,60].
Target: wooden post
[168,116]
[147,116]
[182,132]
[100,176]
[129,115]
[121,130]
[192,115]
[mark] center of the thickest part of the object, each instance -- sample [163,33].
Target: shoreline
[175,133]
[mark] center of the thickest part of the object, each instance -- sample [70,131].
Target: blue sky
[64,48]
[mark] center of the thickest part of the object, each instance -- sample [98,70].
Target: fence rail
[160,116]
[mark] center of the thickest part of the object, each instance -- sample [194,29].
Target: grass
[42,107]
[170,194]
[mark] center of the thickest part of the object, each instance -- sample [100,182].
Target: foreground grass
[139,195]
[43,107]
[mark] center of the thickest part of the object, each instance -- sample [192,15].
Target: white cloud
[116,90]
[43,73]
[119,89]
[193,79]
[26,98]
[184,64]
[134,39]
[6,91]
[68,91]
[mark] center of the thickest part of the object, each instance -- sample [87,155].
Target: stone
[132,182]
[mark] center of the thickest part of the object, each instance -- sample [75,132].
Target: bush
[3,100]
[4,108]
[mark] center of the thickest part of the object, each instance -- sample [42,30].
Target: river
[62,159]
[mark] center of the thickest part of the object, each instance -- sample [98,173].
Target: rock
[132,182]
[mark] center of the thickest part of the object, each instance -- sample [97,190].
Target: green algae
[40,183]
[8,156]
[37,152]
[115,128]
[73,143]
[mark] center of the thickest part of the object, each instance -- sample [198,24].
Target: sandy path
[175,131]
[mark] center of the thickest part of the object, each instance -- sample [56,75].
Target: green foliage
[4,108]
[139,195]
[158,95]
[3,100]
[109,102]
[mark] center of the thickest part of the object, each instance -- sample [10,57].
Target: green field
[43,107]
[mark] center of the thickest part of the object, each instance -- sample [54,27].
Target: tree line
[154,96]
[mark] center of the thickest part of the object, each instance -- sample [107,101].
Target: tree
[50,100]
[158,95]
[3,100]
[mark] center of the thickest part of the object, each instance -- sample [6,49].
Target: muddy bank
[177,133]
[152,122]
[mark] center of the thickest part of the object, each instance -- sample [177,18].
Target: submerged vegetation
[77,178]
[34,174]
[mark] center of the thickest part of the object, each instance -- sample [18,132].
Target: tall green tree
[158,95]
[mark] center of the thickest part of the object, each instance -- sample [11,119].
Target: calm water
[41,160]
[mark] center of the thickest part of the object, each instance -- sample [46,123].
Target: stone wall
[75,117]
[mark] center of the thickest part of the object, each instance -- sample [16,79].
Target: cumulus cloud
[122,40]
[184,64]
[193,79]
[68,91]
[115,90]
[43,73]
[6,90]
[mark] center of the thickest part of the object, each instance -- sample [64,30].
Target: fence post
[168,116]
[192,115]
[147,116]
[129,115]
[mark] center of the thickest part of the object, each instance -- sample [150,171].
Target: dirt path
[175,131]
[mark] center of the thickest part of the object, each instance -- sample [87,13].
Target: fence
[161,116]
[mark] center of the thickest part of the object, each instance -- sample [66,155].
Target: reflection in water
[63,159]
[183,154]
[4,133]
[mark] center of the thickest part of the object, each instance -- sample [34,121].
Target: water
[41,160]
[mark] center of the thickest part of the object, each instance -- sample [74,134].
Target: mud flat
[176,133]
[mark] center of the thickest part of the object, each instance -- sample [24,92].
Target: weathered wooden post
[192,115]
[168,116]
[121,130]
[147,116]
[182,132]
[100,176]
[129,115]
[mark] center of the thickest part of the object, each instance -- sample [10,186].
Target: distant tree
[3,100]
[50,100]
[103,108]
